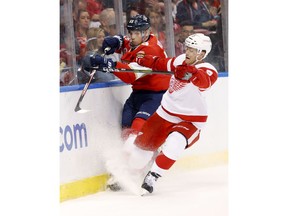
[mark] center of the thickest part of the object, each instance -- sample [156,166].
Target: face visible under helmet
[138,23]
[200,42]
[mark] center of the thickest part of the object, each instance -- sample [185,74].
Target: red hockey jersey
[151,82]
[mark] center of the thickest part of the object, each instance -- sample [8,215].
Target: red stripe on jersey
[187,117]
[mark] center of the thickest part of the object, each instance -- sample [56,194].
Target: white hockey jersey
[186,100]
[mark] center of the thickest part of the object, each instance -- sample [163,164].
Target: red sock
[137,124]
[135,128]
[164,162]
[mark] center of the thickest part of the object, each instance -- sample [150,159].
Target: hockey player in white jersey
[177,123]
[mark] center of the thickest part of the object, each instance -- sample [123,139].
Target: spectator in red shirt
[94,8]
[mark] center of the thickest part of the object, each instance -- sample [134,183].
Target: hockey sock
[137,124]
[173,147]
[135,128]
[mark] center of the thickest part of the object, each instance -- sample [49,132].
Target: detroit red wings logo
[175,85]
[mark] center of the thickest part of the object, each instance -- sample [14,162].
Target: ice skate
[149,181]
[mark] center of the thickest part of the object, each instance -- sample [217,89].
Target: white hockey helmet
[200,42]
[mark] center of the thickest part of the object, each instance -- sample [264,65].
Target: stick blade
[143,192]
[77,108]
[83,111]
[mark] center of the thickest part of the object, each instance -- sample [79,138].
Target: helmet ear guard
[200,42]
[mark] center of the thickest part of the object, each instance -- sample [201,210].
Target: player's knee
[174,145]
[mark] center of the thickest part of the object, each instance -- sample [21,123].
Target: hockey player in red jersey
[177,123]
[147,89]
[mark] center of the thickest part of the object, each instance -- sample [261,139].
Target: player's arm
[131,77]
[202,77]
[128,77]
[159,63]
[108,65]
[153,62]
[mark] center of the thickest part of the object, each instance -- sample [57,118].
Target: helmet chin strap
[144,36]
[197,60]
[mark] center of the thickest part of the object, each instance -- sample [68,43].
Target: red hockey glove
[184,72]
[146,60]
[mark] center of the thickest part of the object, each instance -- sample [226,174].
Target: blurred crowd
[95,19]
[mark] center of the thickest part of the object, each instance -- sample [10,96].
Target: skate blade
[144,192]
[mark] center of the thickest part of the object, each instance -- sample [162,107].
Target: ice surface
[199,192]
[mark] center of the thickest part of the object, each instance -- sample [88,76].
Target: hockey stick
[131,70]
[77,108]
[143,71]
[136,71]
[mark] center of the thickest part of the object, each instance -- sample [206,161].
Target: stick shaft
[143,71]
[77,108]
[138,71]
